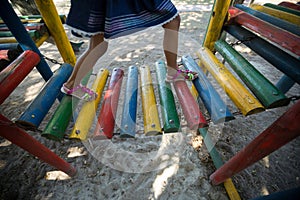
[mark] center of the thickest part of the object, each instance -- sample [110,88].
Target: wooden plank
[241,97]
[277,35]
[277,13]
[128,121]
[87,113]
[217,109]
[283,130]
[261,87]
[106,119]
[170,117]
[282,8]
[290,5]
[150,112]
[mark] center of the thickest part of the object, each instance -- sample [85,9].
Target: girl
[107,19]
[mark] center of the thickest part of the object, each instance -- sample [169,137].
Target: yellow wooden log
[151,118]
[52,20]
[42,39]
[4,40]
[217,19]
[88,112]
[242,98]
[231,190]
[277,13]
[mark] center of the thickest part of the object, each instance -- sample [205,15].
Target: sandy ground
[172,166]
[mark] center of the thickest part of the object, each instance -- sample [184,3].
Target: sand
[170,166]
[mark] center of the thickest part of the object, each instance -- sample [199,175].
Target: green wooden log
[56,127]
[170,118]
[261,87]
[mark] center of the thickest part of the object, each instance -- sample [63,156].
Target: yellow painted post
[151,117]
[88,112]
[231,190]
[277,13]
[42,39]
[217,19]
[242,98]
[52,20]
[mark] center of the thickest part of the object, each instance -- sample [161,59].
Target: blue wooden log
[128,122]
[218,110]
[39,107]
[285,84]
[272,20]
[289,194]
[7,46]
[277,57]
[14,24]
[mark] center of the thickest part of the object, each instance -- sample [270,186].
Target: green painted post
[262,88]
[171,121]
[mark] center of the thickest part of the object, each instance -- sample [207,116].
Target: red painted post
[190,108]
[290,5]
[106,118]
[17,136]
[272,33]
[282,131]
[14,74]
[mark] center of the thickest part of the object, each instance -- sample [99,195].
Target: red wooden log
[290,5]
[277,35]
[190,108]
[282,131]
[106,119]
[14,74]
[17,136]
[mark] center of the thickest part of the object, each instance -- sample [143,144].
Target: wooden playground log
[277,35]
[52,20]
[282,8]
[150,112]
[57,125]
[39,107]
[14,74]
[241,97]
[290,5]
[17,28]
[285,25]
[283,130]
[277,13]
[218,162]
[261,87]
[289,194]
[217,109]
[87,113]
[106,119]
[277,57]
[170,117]
[189,106]
[217,18]
[20,138]
[128,121]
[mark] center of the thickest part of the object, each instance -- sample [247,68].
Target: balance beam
[217,109]
[39,107]
[17,136]
[261,87]
[128,121]
[88,111]
[241,97]
[283,130]
[170,117]
[150,112]
[106,119]
[15,73]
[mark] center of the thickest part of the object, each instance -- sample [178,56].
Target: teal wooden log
[282,8]
[170,117]
[261,87]
[128,122]
[39,107]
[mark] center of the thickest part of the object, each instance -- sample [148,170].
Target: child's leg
[170,44]
[85,63]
